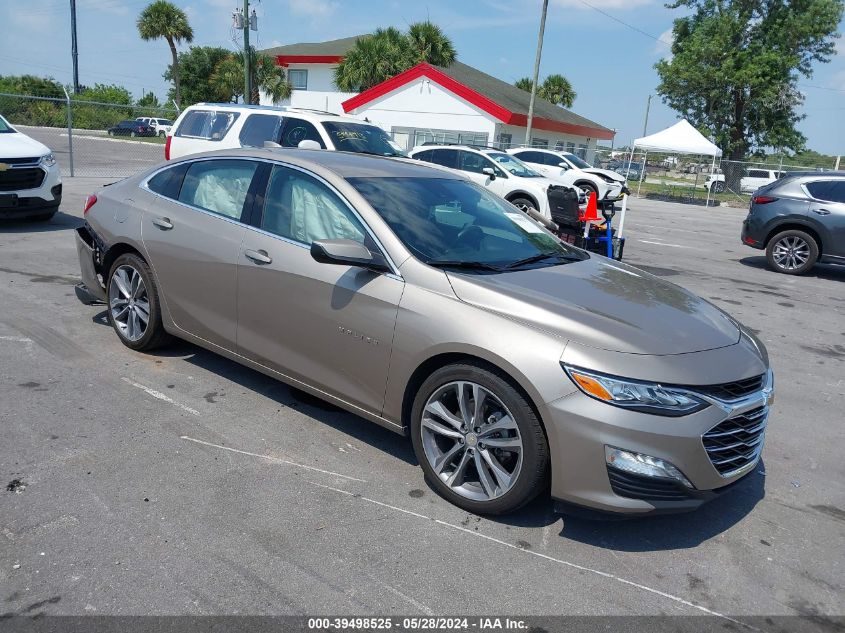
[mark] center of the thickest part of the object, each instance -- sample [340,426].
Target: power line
[623,23]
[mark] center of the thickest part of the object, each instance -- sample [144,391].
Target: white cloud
[604,5]
[837,82]
[312,8]
[664,44]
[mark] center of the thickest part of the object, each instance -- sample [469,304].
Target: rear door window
[757,173]
[445,157]
[219,186]
[827,190]
[296,130]
[470,161]
[259,128]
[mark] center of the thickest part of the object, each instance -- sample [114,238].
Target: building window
[582,151]
[540,142]
[559,145]
[505,140]
[570,147]
[298,79]
[407,138]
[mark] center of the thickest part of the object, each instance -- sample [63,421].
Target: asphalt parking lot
[182,483]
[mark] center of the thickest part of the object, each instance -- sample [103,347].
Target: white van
[205,127]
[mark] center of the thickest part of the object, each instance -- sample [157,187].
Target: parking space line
[672,245]
[278,460]
[16,339]
[160,396]
[552,559]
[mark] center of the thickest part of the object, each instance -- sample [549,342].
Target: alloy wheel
[791,252]
[129,303]
[471,441]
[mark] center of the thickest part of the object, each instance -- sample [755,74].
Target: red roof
[546,116]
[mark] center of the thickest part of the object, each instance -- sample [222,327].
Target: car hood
[17,145]
[602,304]
[606,172]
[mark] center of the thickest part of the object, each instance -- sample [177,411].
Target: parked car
[572,170]
[799,220]
[427,304]
[631,171]
[30,179]
[501,173]
[205,127]
[131,128]
[162,127]
[752,180]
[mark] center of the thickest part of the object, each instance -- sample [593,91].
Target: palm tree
[558,90]
[162,19]
[427,43]
[228,77]
[555,88]
[388,52]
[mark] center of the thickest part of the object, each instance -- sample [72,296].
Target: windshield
[513,165]
[578,162]
[458,223]
[362,138]
[5,128]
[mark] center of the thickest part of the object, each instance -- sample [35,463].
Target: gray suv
[423,302]
[799,220]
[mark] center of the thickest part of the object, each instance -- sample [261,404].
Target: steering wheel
[472,235]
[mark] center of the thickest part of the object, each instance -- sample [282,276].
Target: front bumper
[581,427]
[19,202]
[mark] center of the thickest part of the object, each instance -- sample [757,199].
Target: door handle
[821,211]
[163,223]
[259,257]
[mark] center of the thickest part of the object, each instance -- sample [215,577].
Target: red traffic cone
[591,214]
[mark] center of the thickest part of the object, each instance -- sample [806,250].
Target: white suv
[205,127]
[570,169]
[162,127]
[753,179]
[500,172]
[30,181]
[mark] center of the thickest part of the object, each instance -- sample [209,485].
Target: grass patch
[690,192]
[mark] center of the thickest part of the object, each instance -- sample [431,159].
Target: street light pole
[536,72]
[647,108]
[73,51]
[247,55]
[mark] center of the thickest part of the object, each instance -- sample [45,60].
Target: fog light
[644,465]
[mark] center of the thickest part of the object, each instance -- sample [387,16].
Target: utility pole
[647,108]
[247,74]
[536,72]
[73,52]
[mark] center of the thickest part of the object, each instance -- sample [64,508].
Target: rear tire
[162,134]
[132,296]
[717,187]
[792,252]
[500,461]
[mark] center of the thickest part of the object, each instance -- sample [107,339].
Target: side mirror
[270,145]
[348,253]
[308,144]
[564,165]
[490,172]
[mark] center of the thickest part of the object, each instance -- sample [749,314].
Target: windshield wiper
[449,263]
[541,256]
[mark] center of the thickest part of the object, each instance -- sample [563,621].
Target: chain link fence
[85,136]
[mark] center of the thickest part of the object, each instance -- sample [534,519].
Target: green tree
[735,66]
[388,52]
[106,93]
[555,89]
[149,100]
[162,19]
[227,79]
[196,66]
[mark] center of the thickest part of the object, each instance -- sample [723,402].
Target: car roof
[318,115]
[814,174]
[343,164]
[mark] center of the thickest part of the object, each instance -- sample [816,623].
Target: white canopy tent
[681,138]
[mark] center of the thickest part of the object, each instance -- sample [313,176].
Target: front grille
[21,161]
[737,441]
[733,390]
[16,179]
[634,486]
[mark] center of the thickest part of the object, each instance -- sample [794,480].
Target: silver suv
[421,301]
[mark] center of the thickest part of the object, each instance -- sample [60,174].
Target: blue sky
[610,64]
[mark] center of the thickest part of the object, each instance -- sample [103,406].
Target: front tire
[133,304]
[717,187]
[792,252]
[524,203]
[478,440]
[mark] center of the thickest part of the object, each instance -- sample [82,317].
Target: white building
[428,103]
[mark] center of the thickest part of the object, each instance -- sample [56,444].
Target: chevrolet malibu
[419,301]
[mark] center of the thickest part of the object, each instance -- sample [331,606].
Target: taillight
[167,148]
[90,201]
[762,199]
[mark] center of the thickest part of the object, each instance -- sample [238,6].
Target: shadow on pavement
[60,222]
[819,271]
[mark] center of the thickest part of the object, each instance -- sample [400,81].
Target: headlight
[48,160]
[646,397]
